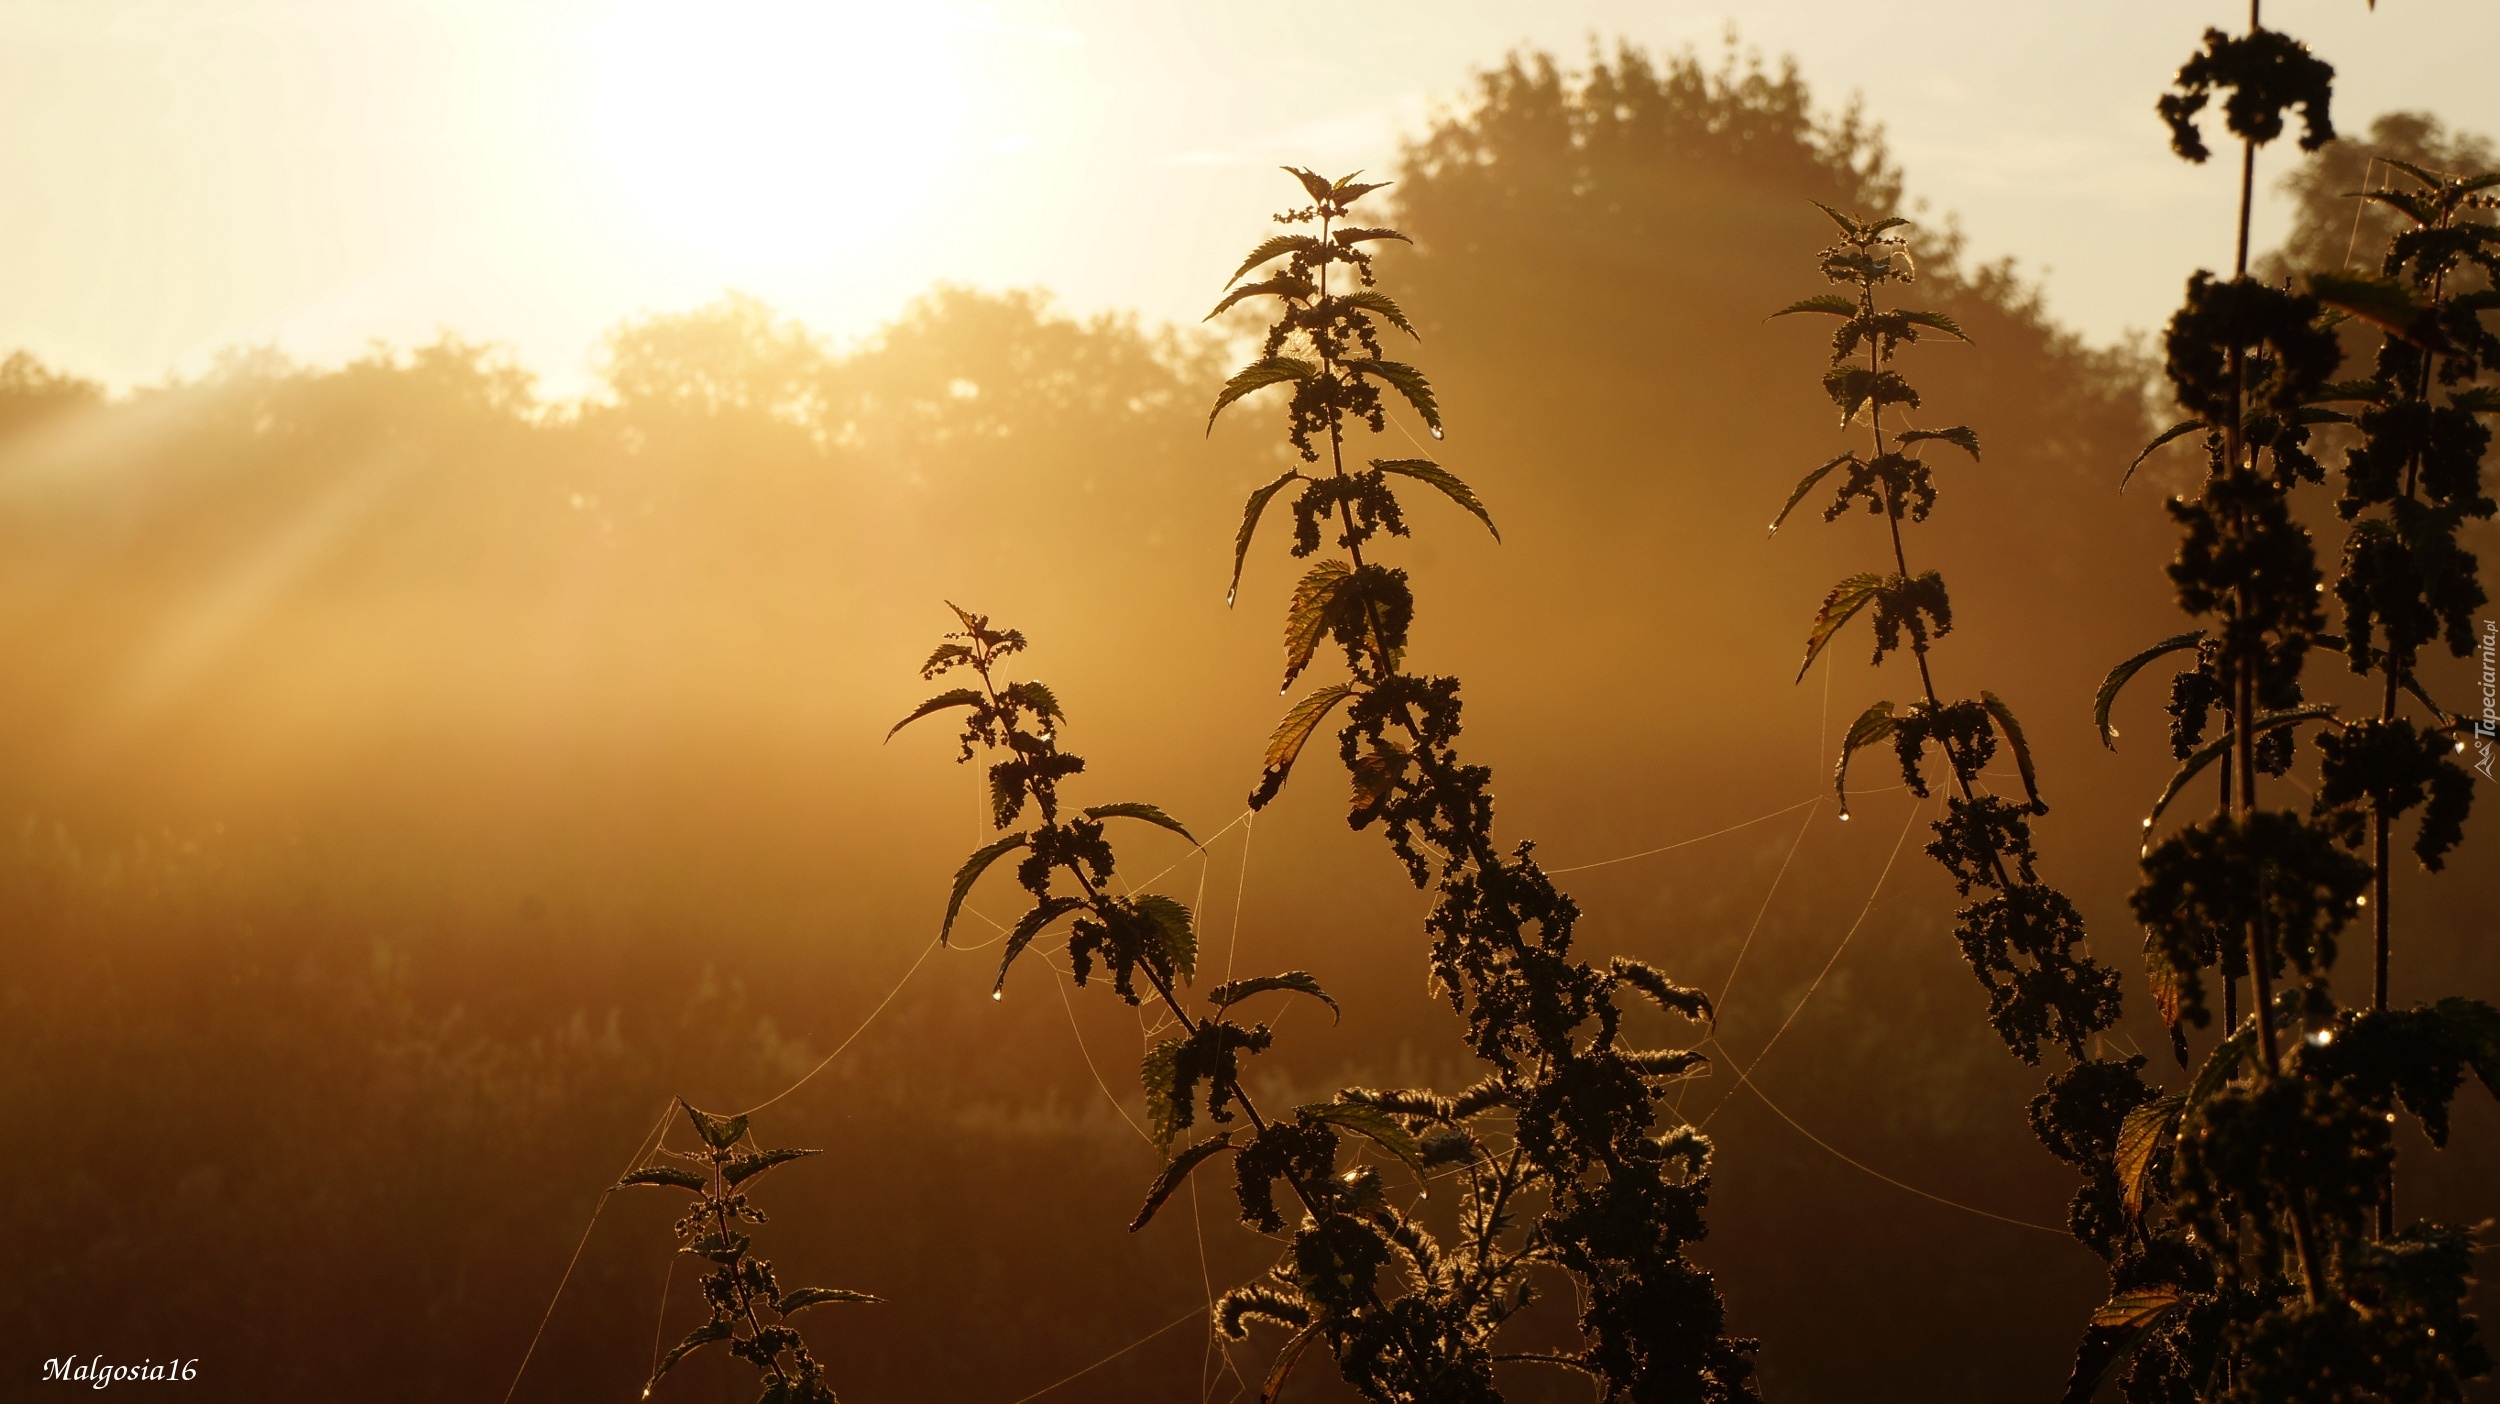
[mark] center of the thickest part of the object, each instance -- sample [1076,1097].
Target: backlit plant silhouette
[1559,1151]
[750,1311]
[2259,1259]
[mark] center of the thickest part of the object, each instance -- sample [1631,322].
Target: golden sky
[190,175]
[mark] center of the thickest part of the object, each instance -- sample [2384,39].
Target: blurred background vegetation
[412,782]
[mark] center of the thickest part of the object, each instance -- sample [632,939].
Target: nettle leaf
[1313,184]
[1668,995]
[2183,427]
[1175,1173]
[1874,724]
[2478,399]
[2124,672]
[1033,696]
[2476,1028]
[1842,604]
[1847,225]
[1381,303]
[1937,320]
[718,1132]
[1249,527]
[1258,375]
[791,1303]
[1232,992]
[1306,620]
[1376,773]
[2022,749]
[1285,285]
[746,1167]
[1372,1124]
[1407,381]
[1424,470]
[970,873]
[1348,238]
[2391,307]
[2373,391]
[1044,912]
[2139,1136]
[1806,485]
[1163,1104]
[1152,814]
[1961,436]
[1180,935]
[2212,750]
[1276,246]
[1284,745]
[1832,303]
[678,1176]
[717,1329]
[952,697]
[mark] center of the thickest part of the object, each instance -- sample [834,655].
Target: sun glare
[770,136]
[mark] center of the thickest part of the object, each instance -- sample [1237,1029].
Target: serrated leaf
[1806,485]
[970,873]
[1937,320]
[709,1332]
[1375,774]
[952,697]
[805,1297]
[1314,184]
[1035,697]
[1424,470]
[1148,813]
[2475,1026]
[1347,191]
[1249,526]
[1381,304]
[1407,381]
[1888,222]
[718,1132]
[1285,743]
[2014,738]
[2478,399]
[673,1175]
[1177,1172]
[1180,934]
[1842,604]
[2184,426]
[2221,1065]
[2428,180]
[1275,246]
[1306,620]
[2136,1310]
[1847,225]
[1668,995]
[1961,436]
[1371,1123]
[1874,724]
[2391,307]
[2140,1134]
[1154,1074]
[2373,391]
[1232,992]
[1832,304]
[1291,286]
[746,1167]
[2212,750]
[2125,672]
[1348,238]
[1044,912]
[1258,375]
[1286,1359]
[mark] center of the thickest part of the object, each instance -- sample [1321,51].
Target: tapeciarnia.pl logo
[2487,725]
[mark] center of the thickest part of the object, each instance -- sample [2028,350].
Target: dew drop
[1228,596]
[2391,1118]
[2148,823]
[1436,431]
[1844,818]
[998,994]
[2361,901]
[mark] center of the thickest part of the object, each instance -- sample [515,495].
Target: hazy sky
[189,175]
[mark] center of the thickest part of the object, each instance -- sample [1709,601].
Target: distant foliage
[750,1310]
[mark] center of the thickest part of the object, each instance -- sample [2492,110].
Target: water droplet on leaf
[1436,431]
[998,994]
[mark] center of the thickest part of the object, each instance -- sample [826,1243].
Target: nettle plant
[2024,939]
[750,1311]
[1562,1163]
[2259,1258]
